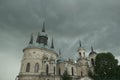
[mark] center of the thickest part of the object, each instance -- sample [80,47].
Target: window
[34,52]
[47,69]
[72,71]
[66,69]
[80,53]
[84,54]
[59,71]
[92,62]
[28,67]
[36,68]
[81,73]
[54,70]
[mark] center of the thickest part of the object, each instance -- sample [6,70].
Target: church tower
[92,56]
[42,37]
[38,62]
[81,51]
[82,62]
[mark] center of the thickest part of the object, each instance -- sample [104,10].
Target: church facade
[41,62]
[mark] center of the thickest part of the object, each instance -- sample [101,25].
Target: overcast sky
[94,22]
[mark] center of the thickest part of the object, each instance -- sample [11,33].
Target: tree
[106,66]
[66,76]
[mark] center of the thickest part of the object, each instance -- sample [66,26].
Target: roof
[35,47]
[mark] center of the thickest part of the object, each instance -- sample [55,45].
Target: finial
[69,58]
[43,29]
[52,44]
[80,43]
[37,38]
[31,40]
[92,49]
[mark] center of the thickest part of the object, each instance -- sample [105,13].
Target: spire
[59,52]
[92,49]
[43,29]
[80,43]
[37,38]
[31,40]
[52,44]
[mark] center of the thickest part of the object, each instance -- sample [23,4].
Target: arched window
[54,70]
[84,54]
[92,62]
[66,69]
[59,71]
[47,69]
[28,67]
[80,53]
[36,68]
[72,70]
[81,73]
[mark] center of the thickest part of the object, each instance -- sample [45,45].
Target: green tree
[105,63]
[66,76]
[106,67]
[117,73]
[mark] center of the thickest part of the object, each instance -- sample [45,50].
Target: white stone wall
[33,56]
[69,69]
[82,67]
[46,57]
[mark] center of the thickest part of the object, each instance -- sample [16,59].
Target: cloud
[94,22]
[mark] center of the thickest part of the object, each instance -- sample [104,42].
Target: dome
[92,53]
[60,59]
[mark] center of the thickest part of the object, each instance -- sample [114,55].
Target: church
[41,62]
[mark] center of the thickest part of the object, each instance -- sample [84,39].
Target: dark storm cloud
[94,22]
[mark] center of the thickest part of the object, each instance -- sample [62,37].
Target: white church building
[41,62]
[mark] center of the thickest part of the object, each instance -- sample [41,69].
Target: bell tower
[92,56]
[81,51]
